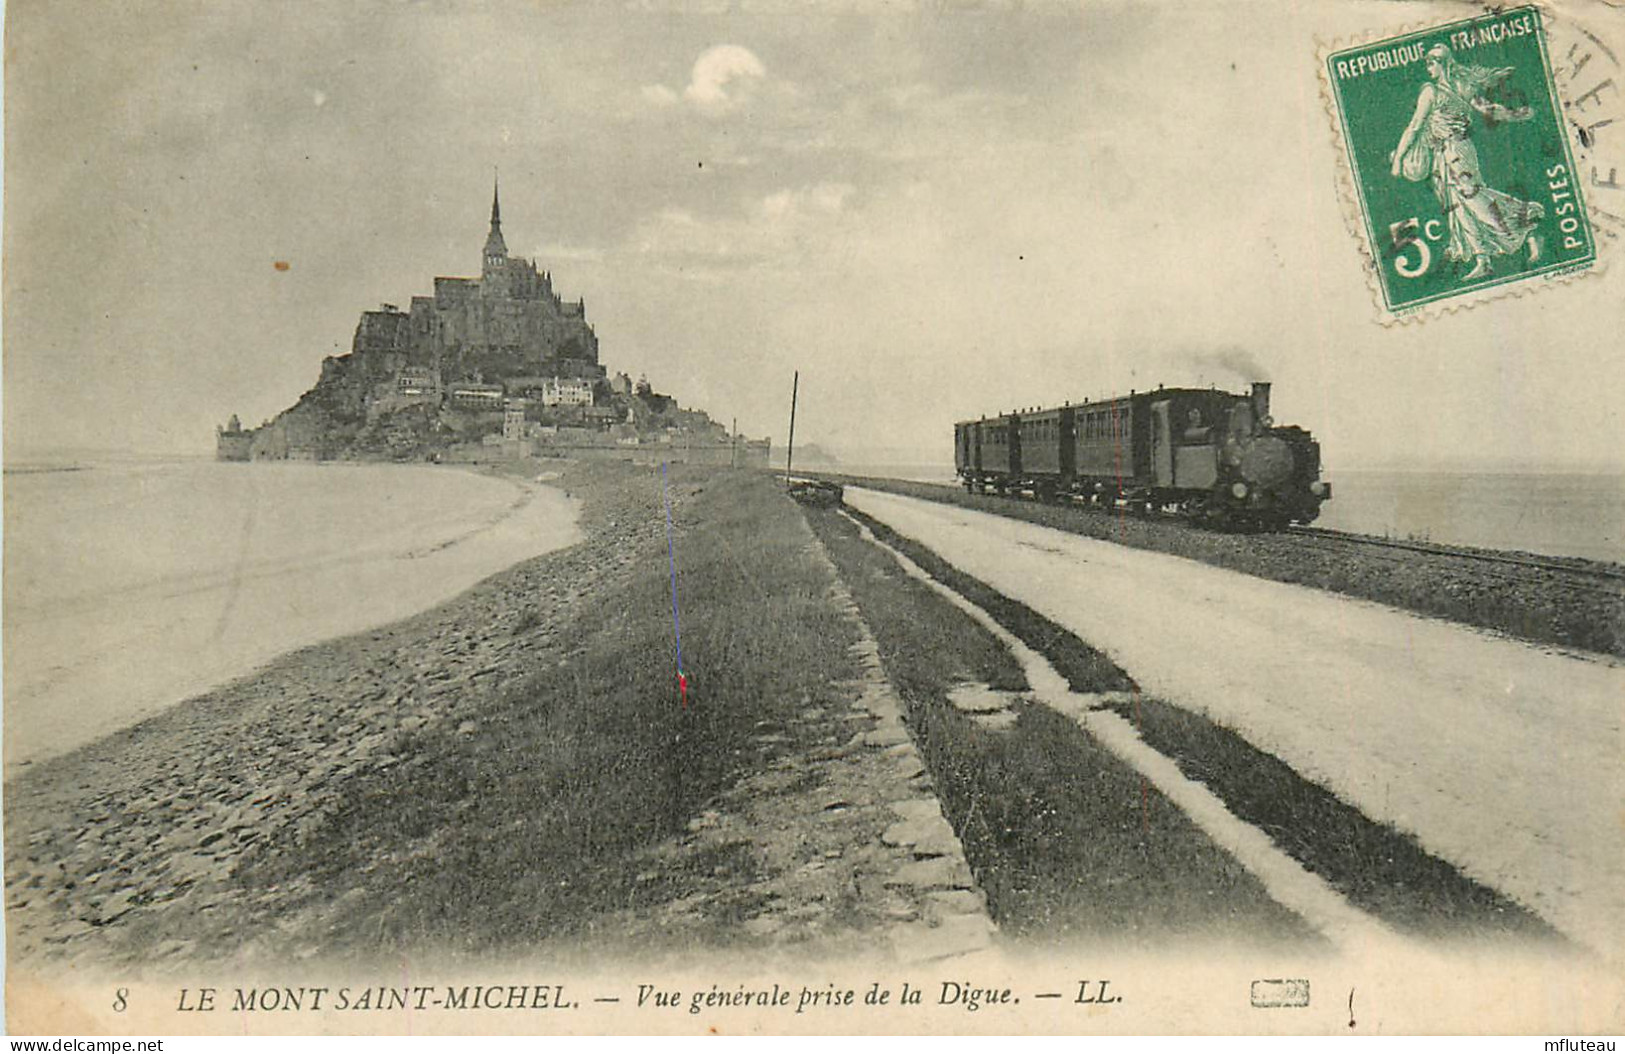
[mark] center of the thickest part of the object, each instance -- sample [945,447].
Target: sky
[932,212]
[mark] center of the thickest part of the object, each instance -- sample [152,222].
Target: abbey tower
[494,272]
[507,322]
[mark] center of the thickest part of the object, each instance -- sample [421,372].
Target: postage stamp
[1455,142]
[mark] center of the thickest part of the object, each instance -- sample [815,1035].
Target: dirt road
[1501,757]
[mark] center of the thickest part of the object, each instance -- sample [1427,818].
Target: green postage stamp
[1455,139]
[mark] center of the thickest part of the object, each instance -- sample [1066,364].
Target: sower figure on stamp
[1437,144]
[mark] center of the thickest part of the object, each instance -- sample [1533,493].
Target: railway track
[1581,569]
[1577,569]
[1585,574]
[1566,601]
[1586,571]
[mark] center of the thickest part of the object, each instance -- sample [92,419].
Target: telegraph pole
[790,451]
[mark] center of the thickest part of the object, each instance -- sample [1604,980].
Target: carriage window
[1241,419]
[1197,427]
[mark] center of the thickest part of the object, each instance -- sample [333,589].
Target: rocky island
[485,369]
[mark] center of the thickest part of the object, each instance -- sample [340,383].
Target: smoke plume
[1233,362]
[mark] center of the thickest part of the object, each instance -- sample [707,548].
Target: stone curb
[951,919]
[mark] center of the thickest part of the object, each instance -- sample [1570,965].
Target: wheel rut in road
[1073,848]
[1352,878]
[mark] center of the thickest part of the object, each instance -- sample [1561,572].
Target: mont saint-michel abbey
[507,322]
[489,367]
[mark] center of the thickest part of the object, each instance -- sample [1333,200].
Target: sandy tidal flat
[131,587]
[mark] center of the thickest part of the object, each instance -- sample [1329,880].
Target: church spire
[496,250]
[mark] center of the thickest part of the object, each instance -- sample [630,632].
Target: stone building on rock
[506,322]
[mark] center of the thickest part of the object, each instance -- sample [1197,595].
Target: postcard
[852,518]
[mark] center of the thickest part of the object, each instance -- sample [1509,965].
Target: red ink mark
[1118,431]
[281,265]
[682,687]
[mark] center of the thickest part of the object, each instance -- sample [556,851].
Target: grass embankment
[1378,868]
[1065,839]
[1545,606]
[484,775]
[523,829]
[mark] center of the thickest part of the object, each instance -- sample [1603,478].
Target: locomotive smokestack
[1261,399]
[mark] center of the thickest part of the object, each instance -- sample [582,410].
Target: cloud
[792,229]
[724,78]
[660,95]
[799,204]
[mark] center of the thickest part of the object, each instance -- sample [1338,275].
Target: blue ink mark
[671,558]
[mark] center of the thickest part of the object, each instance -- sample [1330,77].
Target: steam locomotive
[1212,456]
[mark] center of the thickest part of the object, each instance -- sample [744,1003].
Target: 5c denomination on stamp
[1455,141]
